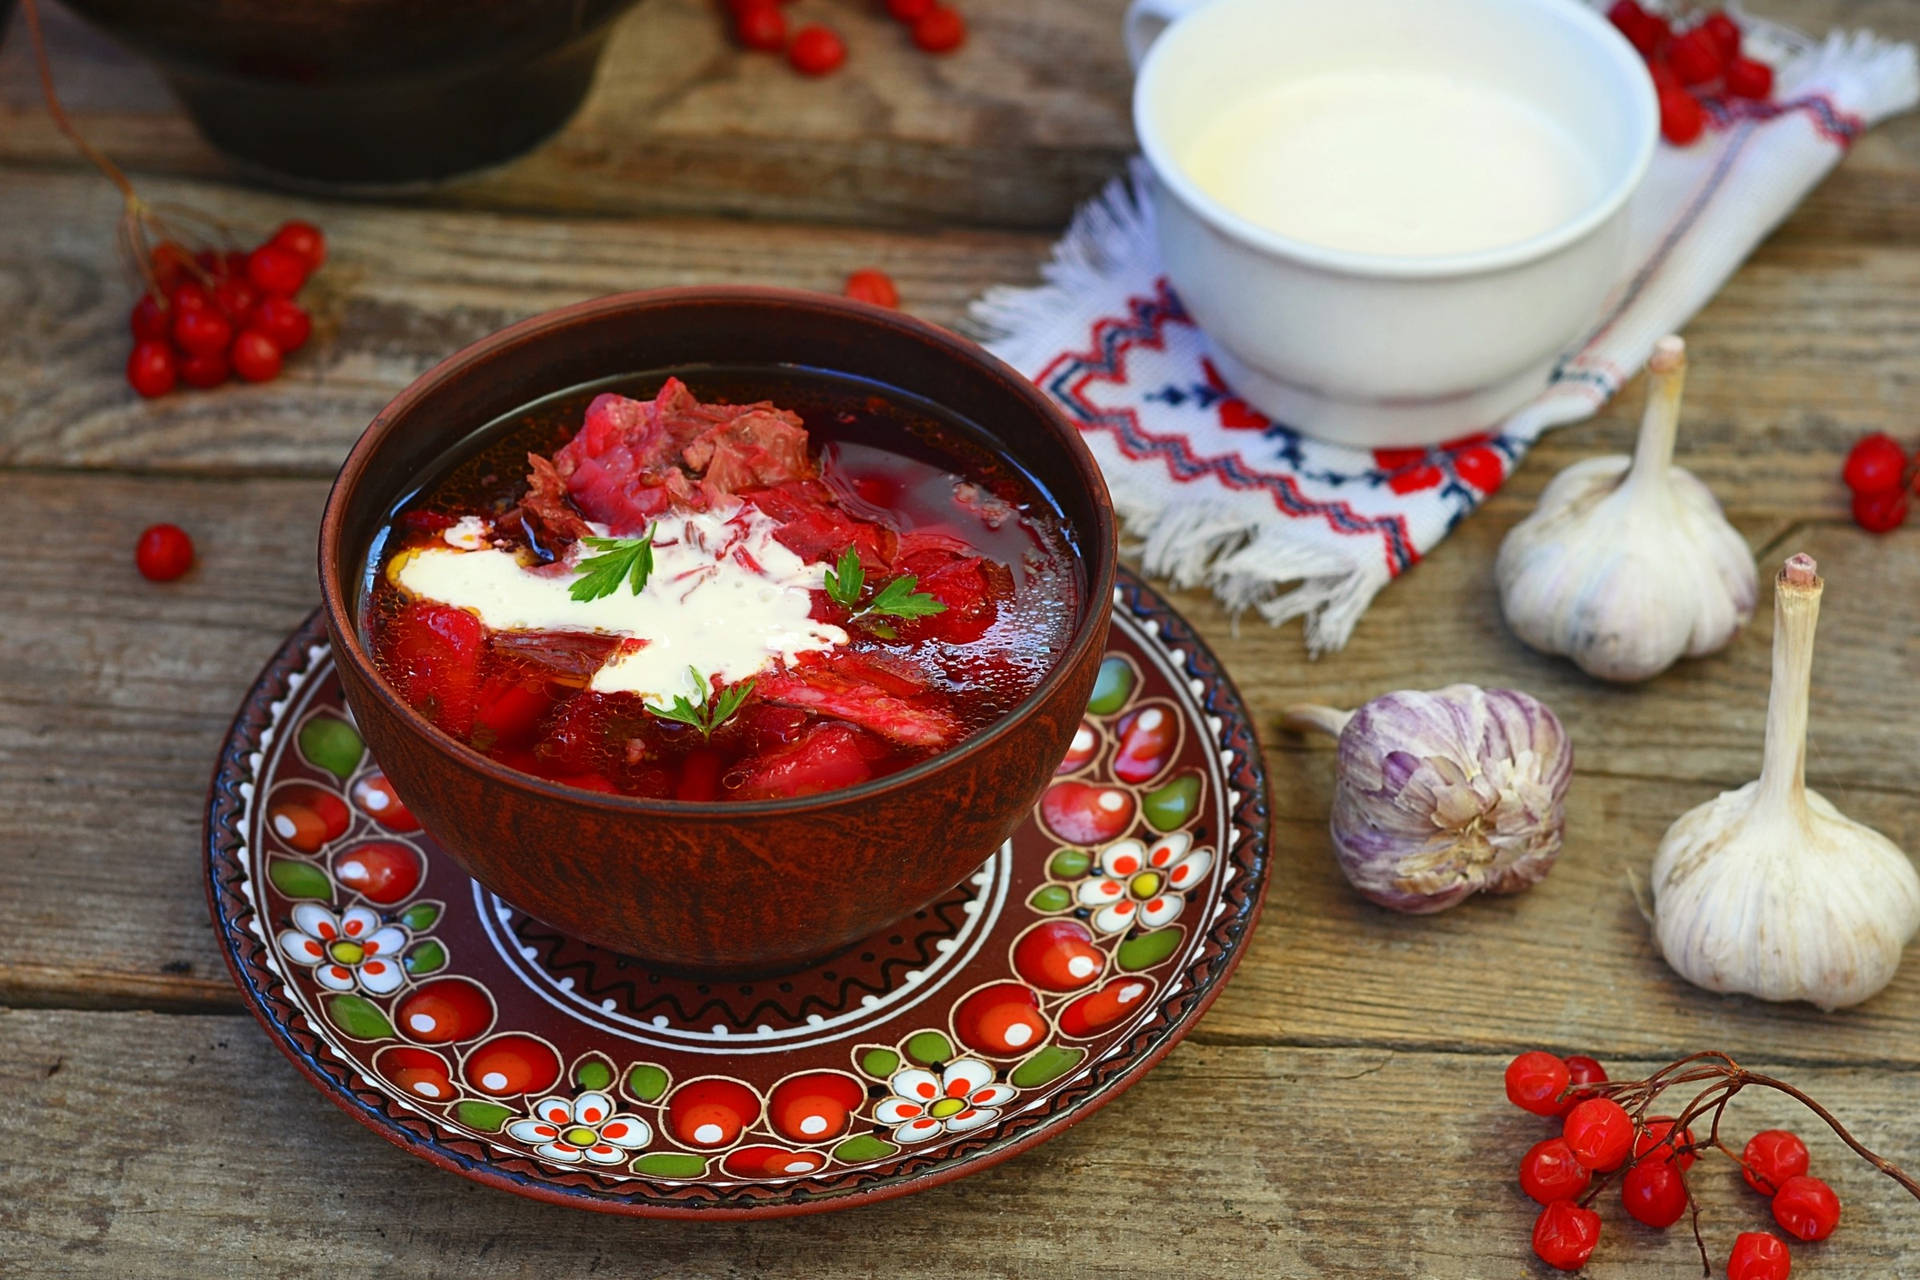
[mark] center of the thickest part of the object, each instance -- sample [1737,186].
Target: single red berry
[202,330]
[203,371]
[1806,1207]
[1580,1068]
[151,369]
[1535,1081]
[163,553]
[274,269]
[816,51]
[1696,57]
[1681,117]
[1880,512]
[761,26]
[236,296]
[940,30]
[189,295]
[304,239]
[1654,1192]
[284,321]
[1747,78]
[1600,1132]
[1725,32]
[1564,1235]
[150,320]
[1624,13]
[1548,1172]
[1664,81]
[1650,36]
[1652,1137]
[1875,464]
[254,356]
[909,11]
[1759,1256]
[869,285]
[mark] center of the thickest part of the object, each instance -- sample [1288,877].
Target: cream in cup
[1390,217]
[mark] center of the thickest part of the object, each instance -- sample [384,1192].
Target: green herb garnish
[897,599]
[709,713]
[620,559]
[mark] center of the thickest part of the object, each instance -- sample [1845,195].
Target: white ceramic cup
[1370,349]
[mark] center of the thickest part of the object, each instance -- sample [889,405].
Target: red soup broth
[911,490]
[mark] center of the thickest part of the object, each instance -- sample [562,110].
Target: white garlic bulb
[1628,564]
[1770,890]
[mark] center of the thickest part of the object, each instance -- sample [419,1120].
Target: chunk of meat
[565,657]
[852,696]
[829,757]
[553,519]
[814,527]
[759,446]
[432,656]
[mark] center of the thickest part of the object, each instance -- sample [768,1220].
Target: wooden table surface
[1338,1113]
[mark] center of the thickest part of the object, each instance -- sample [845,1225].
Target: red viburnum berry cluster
[1882,479]
[1607,1134]
[1686,64]
[816,50]
[214,314]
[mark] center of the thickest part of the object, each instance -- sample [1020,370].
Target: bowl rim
[1101,543]
[1602,36]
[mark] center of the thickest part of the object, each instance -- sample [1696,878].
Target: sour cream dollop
[725,598]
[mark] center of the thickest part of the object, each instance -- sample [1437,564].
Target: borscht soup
[721,584]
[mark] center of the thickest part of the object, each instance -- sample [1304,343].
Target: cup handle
[1146,19]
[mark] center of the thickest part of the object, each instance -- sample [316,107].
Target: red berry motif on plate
[1806,1207]
[163,553]
[1564,1235]
[869,285]
[711,1113]
[771,1162]
[1086,813]
[307,816]
[1082,750]
[814,1107]
[513,1063]
[1096,1011]
[1600,1132]
[444,1011]
[1759,1256]
[382,871]
[1058,955]
[420,1073]
[374,796]
[1654,1192]
[1535,1081]
[1771,1157]
[1548,1172]
[1149,737]
[1000,1020]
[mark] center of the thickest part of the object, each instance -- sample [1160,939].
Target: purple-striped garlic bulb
[1446,794]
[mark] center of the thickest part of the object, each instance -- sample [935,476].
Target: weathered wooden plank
[1806,348]
[184,1146]
[1014,130]
[114,695]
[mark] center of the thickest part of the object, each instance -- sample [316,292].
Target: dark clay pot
[722,887]
[369,94]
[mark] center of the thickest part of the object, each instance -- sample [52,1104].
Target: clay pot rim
[1099,544]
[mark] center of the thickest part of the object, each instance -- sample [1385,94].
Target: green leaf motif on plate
[862,1147]
[428,957]
[1170,806]
[332,744]
[670,1164]
[421,915]
[1149,949]
[1049,898]
[487,1117]
[1111,687]
[879,1063]
[299,879]
[1069,863]
[928,1047]
[593,1073]
[647,1082]
[1047,1065]
[359,1017]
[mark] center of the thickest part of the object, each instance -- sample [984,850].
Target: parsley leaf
[620,560]
[897,599]
[709,713]
[844,587]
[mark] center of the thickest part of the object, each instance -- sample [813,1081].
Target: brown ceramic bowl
[723,887]
[369,95]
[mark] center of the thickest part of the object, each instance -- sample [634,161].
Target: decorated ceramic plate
[487,1042]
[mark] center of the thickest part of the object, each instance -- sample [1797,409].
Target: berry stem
[59,113]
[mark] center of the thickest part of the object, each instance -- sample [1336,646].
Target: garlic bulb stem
[1660,424]
[1309,718]
[1796,613]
